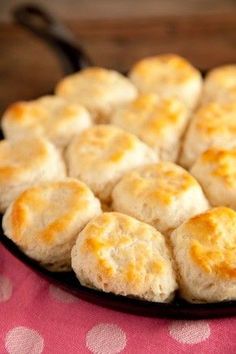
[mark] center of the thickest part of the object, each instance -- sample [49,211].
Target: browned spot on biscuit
[19,221]
[213,241]
[223,164]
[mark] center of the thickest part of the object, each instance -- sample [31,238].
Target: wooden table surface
[115,34]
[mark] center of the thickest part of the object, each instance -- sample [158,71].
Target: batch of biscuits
[128,181]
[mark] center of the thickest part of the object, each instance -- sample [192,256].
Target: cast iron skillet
[73,59]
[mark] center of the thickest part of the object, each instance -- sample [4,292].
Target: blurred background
[114,33]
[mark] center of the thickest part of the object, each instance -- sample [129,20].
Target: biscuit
[204,249]
[215,170]
[163,195]
[50,116]
[220,85]
[102,154]
[168,75]
[160,123]
[99,90]
[119,254]
[24,163]
[45,220]
[213,125]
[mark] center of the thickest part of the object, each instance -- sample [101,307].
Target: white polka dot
[24,340]
[5,288]
[106,338]
[61,295]
[189,332]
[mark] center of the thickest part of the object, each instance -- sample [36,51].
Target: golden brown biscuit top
[93,83]
[44,212]
[216,119]
[20,157]
[104,144]
[166,69]
[125,245]
[148,116]
[222,164]
[44,114]
[223,77]
[158,183]
[212,241]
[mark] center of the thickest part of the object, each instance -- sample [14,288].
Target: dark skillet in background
[73,59]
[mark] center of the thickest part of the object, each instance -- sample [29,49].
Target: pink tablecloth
[36,317]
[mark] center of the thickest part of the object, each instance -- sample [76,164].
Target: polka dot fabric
[37,317]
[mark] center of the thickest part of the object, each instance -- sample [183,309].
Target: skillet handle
[46,27]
